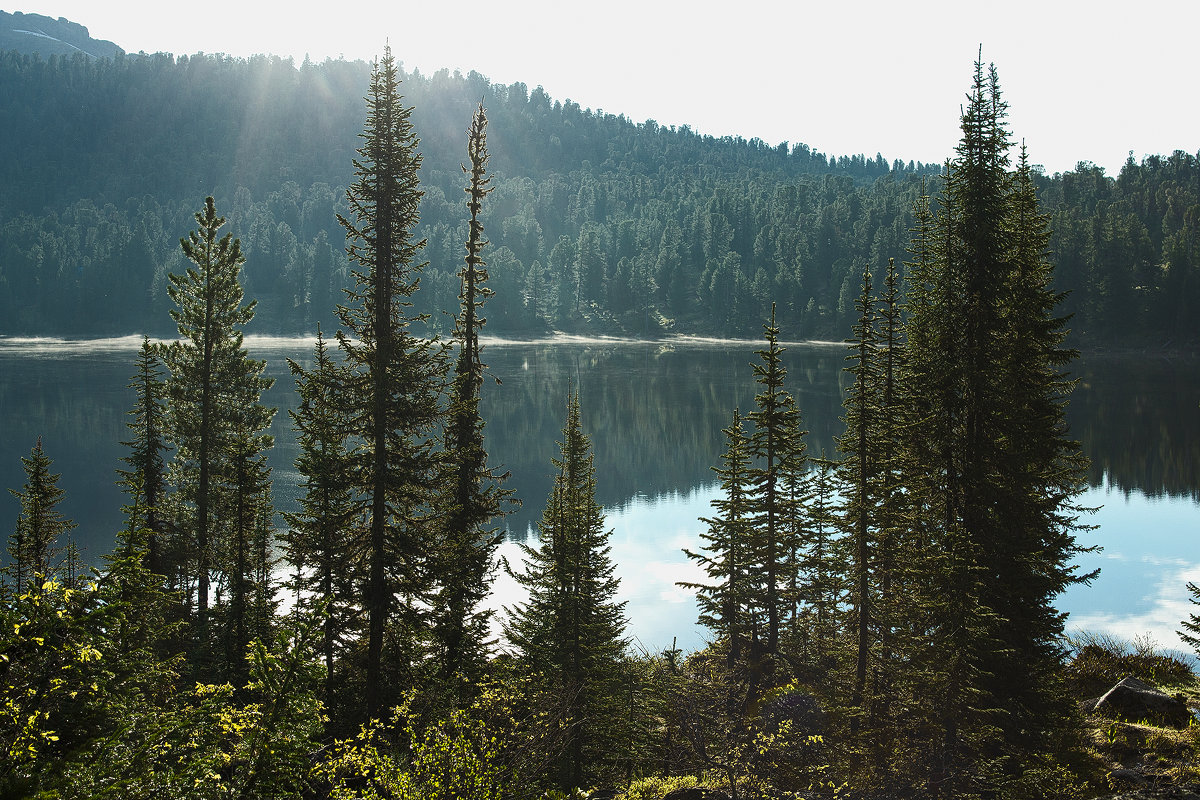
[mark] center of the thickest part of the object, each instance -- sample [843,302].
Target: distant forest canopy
[597,224]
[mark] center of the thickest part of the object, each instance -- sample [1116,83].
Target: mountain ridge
[45,36]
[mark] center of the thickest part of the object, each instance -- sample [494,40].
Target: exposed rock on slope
[34,33]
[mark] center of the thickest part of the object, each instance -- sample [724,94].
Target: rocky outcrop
[1136,701]
[46,36]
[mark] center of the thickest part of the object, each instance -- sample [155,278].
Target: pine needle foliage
[472,498]
[390,381]
[571,631]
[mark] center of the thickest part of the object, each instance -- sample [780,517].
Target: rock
[603,794]
[1127,777]
[1136,701]
[696,793]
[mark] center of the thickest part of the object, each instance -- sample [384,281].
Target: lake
[654,411]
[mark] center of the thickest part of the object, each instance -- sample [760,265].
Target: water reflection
[655,413]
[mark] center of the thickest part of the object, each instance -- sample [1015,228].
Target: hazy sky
[1084,81]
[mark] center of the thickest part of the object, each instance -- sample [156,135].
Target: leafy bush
[1100,661]
[655,788]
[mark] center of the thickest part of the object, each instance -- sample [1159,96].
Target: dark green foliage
[776,446]
[669,211]
[1191,626]
[471,500]
[320,545]
[146,479]
[989,472]
[389,382]
[726,605]
[216,424]
[570,632]
[36,548]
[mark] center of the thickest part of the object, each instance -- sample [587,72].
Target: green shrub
[655,788]
[1101,660]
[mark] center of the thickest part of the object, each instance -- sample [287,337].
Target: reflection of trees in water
[1138,419]
[654,413]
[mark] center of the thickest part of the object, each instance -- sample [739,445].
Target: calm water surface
[655,413]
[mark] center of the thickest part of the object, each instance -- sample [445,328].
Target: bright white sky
[1084,80]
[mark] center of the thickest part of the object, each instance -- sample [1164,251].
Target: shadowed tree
[471,496]
[571,630]
[390,382]
[214,390]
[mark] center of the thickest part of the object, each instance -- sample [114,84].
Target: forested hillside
[598,223]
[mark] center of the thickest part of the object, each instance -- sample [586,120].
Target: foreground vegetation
[882,621]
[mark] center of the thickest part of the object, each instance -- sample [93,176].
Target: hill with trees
[599,223]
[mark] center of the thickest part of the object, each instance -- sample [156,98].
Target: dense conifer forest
[599,223]
[881,618]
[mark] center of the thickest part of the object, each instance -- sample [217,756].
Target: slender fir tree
[319,542]
[725,603]
[391,381]
[146,479]
[776,445]
[858,467]
[472,497]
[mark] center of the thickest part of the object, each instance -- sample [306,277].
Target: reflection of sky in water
[647,541]
[1151,549]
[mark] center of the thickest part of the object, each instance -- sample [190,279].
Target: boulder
[1136,701]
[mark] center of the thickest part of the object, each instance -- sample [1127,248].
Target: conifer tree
[824,591]
[1191,626]
[858,467]
[34,546]
[319,542]
[571,630]
[214,390]
[988,467]
[146,479]
[471,498]
[390,381]
[246,563]
[776,444]
[725,604]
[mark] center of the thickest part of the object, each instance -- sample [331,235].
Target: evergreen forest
[599,224]
[881,618]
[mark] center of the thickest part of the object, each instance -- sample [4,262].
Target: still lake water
[655,412]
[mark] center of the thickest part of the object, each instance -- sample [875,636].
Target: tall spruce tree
[214,390]
[472,497]
[391,382]
[571,629]
[988,467]
[858,467]
[777,446]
